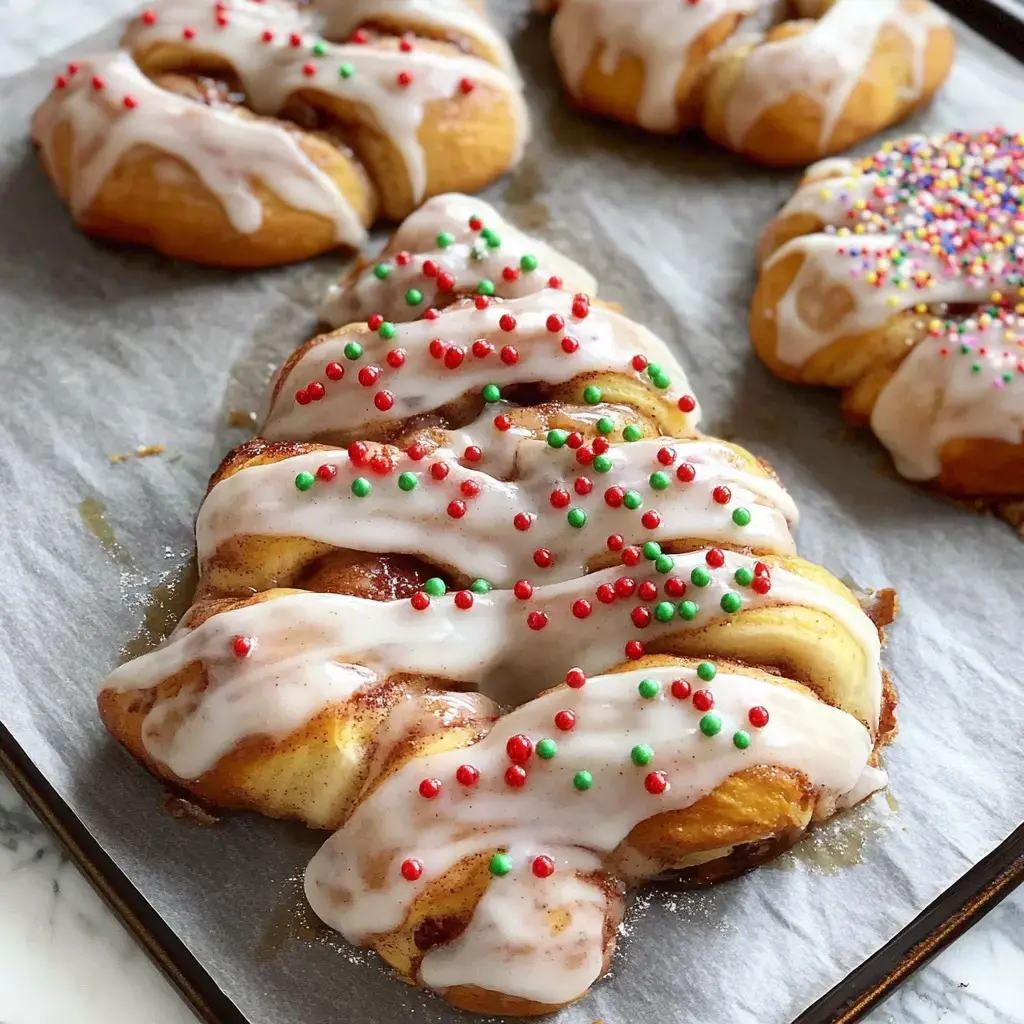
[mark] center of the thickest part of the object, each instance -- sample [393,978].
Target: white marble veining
[64,957]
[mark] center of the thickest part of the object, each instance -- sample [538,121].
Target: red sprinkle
[522,521]
[129,103]
[416,451]
[436,348]
[584,455]
[554,281]
[761,585]
[575,678]
[188,32]
[481,301]
[519,748]
[464,600]
[359,453]
[581,608]
[420,600]
[473,454]
[600,445]
[368,376]
[404,79]
[651,519]
[758,717]
[536,620]
[569,344]
[687,403]
[574,440]
[454,356]
[469,488]
[429,788]
[641,616]
[565,720]
[502,422]
[439,470]
[510,274]
[482,349]
[316,391]
[680,689]
[381,464]
[675,587]
[396,358]
[647,591]
[555,323]
[605,593]
[466,86]
[685,473]
[309,69]
[634,649]
[242,646]
[722,495]
[582,485]
[456,509]
[334,371]
[615,542]
[375,321]
[631,556]
[384,400]
[560,499]
[543,866]
[430,268]
[580,306]
[296,40]
[625,586]
[326,472]
[543,559]
[405,44]
[523,589]
[703,700]
[656,783]
[639,363]
[149,17]
[515,776]
[445,281]
[411,869]
[403,258]
[507,322]
[715,557]
[467,775]
[509,355]
[97,82]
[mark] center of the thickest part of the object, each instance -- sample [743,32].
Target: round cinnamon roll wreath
[782,83]
[521,635]
[233,133]
[900,279]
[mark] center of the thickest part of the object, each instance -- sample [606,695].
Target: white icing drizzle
[468,258]
[827,61]
[225,150]
[550,817]
[607,342]
[484,542]
[314,650]
[456,19]
[659,32]
[272,70]
[940,393]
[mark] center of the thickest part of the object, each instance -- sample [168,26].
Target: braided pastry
[779,91]
[174,141]
[365,614]
[899,279]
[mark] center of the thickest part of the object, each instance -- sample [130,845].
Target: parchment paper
[104,349]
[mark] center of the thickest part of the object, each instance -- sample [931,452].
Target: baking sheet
[106,349]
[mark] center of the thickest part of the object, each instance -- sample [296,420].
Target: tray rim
[959,907]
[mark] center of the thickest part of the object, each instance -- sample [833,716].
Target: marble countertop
[65,956]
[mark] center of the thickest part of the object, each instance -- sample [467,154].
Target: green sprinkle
[700,577]
[346,70]
[557,438]
[688,610]
[387,330]
[577,518]
[408,481]
[605,425]
[319,49]
[592,394]
[381,271]
[641,754]
[975,367]
[361,487]
[741,516]
[492,393]
[743,577]
[632,432]
[662,381]
[304,481]
[353,350]
[501,864]
[480,587]
[583,781]
[706,671]
[632,500]
[711,724]
[664,611]
[485,287]
[413,297]
[547,748]
[435,587]
[659,481]
[654,370]
[528,262]
[664,564]
[648,689]
[493,240]
[445,239]
[651,550]
[731,602]
[741,739]
[602,464]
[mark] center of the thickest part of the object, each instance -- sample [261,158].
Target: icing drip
[314,650]
[827,61]
[552,817]
[921,223]
[456,19]
[271,70]
[469,256]
[607,341]
[484,541]
[659,32]
[225,150]
[968,385]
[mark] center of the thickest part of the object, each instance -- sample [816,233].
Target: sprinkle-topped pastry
[549,848]
[451,247]
[421,115]
[900,277]
[779,91]
[363,380]
[514,499]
